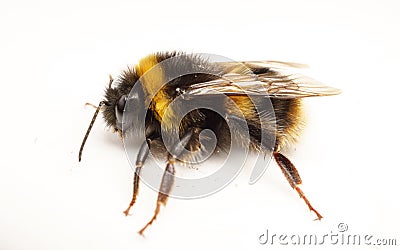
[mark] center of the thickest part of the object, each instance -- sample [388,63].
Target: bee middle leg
[293,177]
[168,178]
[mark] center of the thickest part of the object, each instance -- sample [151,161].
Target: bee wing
[264,64]
[268,78]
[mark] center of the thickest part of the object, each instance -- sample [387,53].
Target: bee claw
[141,233]
[126,212]
[319,217]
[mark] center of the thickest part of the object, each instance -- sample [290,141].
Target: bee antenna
[90,128]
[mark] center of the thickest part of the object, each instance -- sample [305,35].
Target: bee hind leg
[293,177]
[168,178]
[141,158]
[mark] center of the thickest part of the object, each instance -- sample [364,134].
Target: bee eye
[121,103]
[119,109]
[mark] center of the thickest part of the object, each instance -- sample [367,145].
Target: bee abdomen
[289,120]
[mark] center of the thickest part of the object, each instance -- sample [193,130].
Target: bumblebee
[246,85]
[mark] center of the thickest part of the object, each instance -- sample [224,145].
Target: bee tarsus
[293,177]
[165,188]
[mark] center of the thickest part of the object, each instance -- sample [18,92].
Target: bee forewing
[266,64]
[269,78]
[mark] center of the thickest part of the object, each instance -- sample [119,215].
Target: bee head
[116,98]
[114,103]
[113,108]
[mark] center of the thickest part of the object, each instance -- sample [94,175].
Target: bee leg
[293,177]
[141,158]
[165,188]
[168,178]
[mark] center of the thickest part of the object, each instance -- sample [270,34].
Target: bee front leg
[293,177]
[168,177]
[141,158]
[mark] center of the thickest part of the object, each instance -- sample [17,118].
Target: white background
[56,55]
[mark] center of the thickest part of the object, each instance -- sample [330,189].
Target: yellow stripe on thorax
[152,77]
